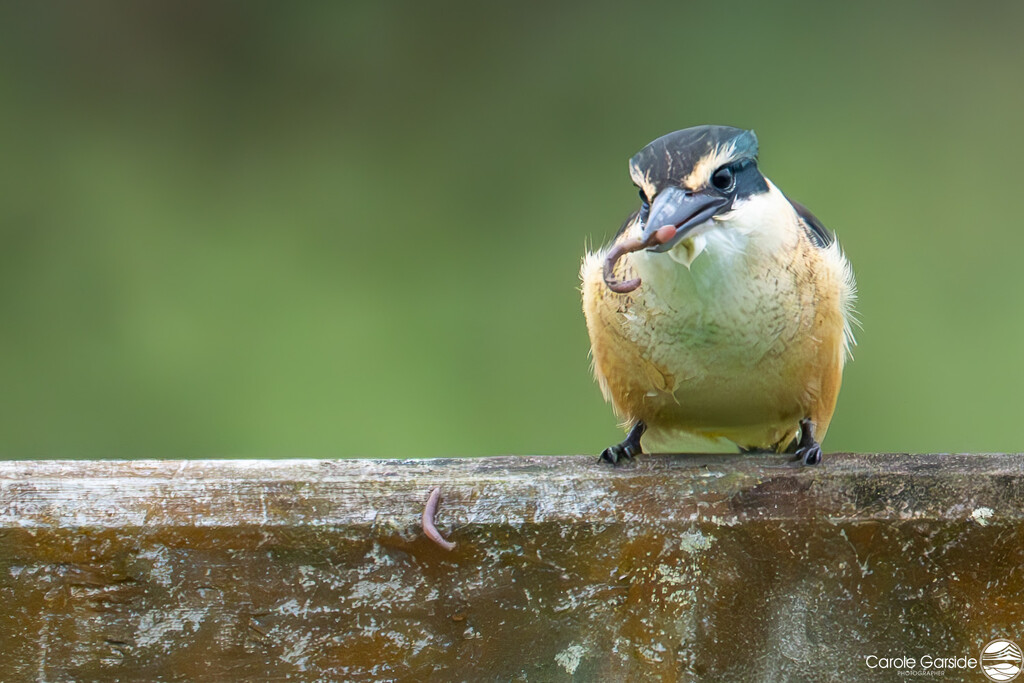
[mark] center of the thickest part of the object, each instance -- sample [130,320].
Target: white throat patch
[768,218]
[687,251]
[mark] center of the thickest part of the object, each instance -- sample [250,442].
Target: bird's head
[692,176]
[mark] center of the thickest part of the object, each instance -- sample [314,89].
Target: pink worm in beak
[660,236]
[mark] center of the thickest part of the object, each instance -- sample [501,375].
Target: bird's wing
[816,230]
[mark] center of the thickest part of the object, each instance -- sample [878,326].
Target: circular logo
[1001,660]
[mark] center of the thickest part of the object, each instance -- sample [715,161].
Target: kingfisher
[722,310]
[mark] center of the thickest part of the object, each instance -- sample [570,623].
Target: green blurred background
[341,229]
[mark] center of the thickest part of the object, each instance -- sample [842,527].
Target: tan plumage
[738,332]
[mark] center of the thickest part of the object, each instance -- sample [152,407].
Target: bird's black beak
[683,209]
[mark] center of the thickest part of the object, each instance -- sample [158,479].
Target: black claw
[614,454]
[628,449]
[809,456]
[808,451]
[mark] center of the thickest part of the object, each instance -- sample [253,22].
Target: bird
[722,311]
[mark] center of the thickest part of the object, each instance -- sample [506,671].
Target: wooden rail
[669,568]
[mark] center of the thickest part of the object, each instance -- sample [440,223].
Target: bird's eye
[723,179]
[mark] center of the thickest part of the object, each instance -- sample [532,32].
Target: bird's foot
[628,449]
[808,451]
[618,452]
[808,456]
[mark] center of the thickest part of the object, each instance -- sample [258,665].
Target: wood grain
[672,567]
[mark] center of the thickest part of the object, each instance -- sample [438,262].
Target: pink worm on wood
[428,521]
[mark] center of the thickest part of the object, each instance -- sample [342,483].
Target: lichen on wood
[672,568]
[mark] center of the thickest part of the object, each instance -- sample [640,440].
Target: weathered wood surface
[718,568]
